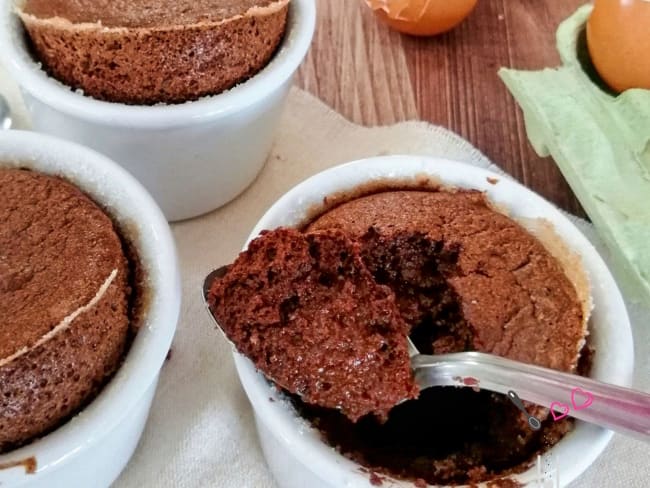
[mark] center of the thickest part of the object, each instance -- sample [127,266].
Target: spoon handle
[613,407]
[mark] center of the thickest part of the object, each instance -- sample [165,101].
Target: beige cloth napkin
[201,432]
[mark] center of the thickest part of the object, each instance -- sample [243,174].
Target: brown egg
[422,17]
[618,36]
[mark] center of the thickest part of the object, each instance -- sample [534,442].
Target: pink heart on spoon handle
[562,407]
[589,398]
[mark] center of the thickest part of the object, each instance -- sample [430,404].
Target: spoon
[5,114]
[616,408]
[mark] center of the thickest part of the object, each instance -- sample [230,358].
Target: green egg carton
[601,142]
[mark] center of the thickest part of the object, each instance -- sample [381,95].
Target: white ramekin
[296,455]
[192,157]
[95,445]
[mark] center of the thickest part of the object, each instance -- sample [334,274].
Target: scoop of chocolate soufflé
[291,303]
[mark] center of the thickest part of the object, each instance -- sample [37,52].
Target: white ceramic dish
[95,445]
[192,157]
[296,455]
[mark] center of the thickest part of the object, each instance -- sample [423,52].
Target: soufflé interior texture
[67,303]
[153,51]
[291,303]
[443,265]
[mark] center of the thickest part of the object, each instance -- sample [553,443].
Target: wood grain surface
[375,76]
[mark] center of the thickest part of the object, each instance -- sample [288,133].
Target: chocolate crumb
[29,464]
[375,479]
[504,483]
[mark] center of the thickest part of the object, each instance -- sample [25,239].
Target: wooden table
[375,76]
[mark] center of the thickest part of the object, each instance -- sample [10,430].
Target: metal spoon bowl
[613,407]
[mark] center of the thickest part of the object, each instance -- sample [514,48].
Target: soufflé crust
[153,51]
[64,303]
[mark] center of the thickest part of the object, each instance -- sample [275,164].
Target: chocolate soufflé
[153,51]
[464,277]
[291,304]
[65,300]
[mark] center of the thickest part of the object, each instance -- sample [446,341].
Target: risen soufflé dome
[64,303]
